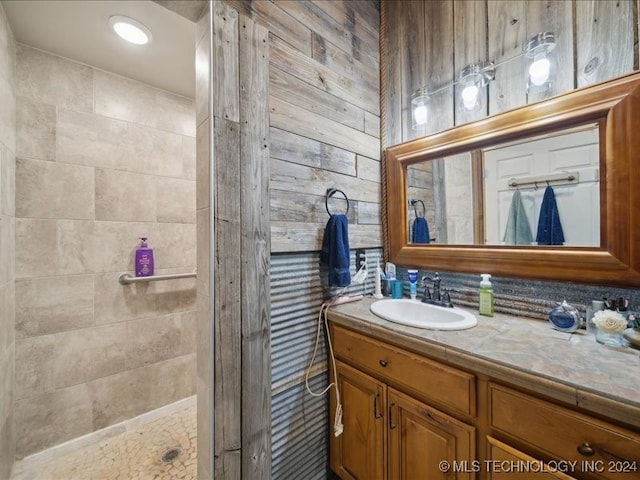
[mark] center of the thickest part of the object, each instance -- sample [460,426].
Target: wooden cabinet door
[360,452]
[507,463]
[424,443]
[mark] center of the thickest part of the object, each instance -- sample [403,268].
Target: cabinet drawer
[507,463]
[599,449]
[425,379]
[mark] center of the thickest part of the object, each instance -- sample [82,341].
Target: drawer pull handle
[391,424]
[383,363]
[376,411]
[586,450]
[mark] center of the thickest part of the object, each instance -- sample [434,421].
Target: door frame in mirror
[615,106]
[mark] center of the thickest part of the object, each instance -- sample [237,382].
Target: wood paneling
[255,249]
[604,40]
[496,30]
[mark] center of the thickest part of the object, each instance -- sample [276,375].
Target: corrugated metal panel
[299,420]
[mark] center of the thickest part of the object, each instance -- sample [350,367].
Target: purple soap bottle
[144,259]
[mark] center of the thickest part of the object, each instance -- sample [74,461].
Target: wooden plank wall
[606,46]
[324,116]
[234,369]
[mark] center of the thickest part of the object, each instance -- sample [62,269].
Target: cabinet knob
[383,363]
[586,449]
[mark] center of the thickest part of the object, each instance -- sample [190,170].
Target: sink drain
[171,454]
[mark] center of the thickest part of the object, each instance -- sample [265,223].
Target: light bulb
[470,96]
[420,114]
[539,70]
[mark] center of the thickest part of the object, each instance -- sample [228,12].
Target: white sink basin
[422,315]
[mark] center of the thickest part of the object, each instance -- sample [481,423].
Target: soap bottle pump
[486,296]
[144,259]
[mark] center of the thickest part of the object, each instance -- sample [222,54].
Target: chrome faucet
[435,298]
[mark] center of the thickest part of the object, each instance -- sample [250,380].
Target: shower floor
[136,454]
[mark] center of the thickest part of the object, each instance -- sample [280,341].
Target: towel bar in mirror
[609,113]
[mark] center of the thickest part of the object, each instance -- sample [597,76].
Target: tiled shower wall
[7,244]
[100,161]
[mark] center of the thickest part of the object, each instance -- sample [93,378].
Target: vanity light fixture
[540,71]
[539,65]
[419,108]
[473,78]
[131,30]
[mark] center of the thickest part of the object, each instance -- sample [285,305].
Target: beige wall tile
[87,139]
[76,247]
[202,71]
[7,182]
[124,99]
[54,190]
[7,315]
[7,445]
[116,303]
[35,247]
[123,196]
[175,113]
[7,367]
[176,295]
[203,167]
[189,158]
[153,339]
[53,80]
[116,243]
[189,331]
[155,151]
[35,129]
[7,100]
[175,200]
[124,395]
[203,253]
[7,249]
[52,418]
[34,366]
[175,245]
[99,350]
[53,304]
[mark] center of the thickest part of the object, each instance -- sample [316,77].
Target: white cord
[337,423]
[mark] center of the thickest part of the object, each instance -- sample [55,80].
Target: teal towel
[518,231]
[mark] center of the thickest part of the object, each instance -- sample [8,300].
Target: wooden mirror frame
[615,107]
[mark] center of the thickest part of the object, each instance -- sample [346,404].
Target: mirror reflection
[542,190]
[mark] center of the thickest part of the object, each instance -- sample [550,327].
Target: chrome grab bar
[127,278]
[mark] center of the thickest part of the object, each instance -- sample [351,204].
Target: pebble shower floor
[132,455]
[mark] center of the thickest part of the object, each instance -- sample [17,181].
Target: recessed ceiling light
[131,30]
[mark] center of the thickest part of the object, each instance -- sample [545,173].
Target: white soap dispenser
[378,288]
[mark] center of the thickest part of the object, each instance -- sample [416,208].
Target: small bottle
[144,259]
[377,293]
[486,296]
[413,283]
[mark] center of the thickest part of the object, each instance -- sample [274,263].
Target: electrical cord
[322,318]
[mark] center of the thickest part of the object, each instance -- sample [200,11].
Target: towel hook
[415,209]
[330,192]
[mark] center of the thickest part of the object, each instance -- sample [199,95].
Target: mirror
[456,181]
[512,180]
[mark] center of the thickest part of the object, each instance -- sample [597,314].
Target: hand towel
[549,226]
[517,231]
[335,250]
[420,232]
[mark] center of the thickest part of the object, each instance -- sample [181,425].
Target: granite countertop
[569,367]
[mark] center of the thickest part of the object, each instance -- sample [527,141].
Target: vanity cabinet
[587,447]
[404,413]
[392,426]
